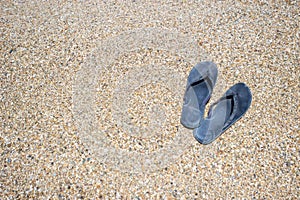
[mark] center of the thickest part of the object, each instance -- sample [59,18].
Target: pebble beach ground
[44,45]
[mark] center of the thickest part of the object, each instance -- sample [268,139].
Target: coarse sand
[91,95]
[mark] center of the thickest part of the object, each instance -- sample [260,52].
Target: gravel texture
[45,44]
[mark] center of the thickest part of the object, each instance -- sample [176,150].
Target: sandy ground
[62,126]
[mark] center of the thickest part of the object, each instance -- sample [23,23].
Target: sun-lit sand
[53,108]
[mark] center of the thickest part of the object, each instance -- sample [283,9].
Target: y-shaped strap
[234,107]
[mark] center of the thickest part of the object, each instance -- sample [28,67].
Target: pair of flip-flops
[222,114]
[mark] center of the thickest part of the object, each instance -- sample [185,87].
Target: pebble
[43,45]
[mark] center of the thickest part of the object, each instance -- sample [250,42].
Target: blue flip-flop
[200,84]
[223,113]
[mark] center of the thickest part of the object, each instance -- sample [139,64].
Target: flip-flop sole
[201,81]
[225,112]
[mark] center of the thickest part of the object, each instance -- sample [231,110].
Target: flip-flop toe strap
[234,108]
